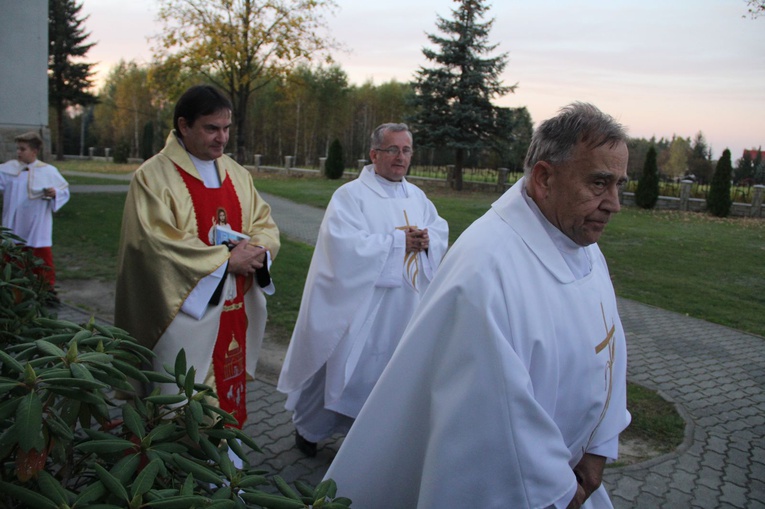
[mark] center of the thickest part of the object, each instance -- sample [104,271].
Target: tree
[647,193]
[334,166]
[756,8]
[676,163]
[68,81]
[452,100]
[744,172]
[700,159]
[241,45]
[719,200]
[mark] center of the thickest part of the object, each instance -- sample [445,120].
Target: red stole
[213,207]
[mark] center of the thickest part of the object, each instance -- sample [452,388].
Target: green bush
[67,441]
[334,166]
[719,200]
[647,193]
[121,153]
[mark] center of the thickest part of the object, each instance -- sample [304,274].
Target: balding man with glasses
[379,245]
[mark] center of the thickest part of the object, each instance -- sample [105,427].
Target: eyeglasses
[395,151]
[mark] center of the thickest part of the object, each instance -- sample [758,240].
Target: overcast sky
[661,67]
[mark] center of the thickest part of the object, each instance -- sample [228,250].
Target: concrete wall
[23,72]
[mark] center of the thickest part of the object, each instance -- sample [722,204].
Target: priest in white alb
[379,245]
[508,388]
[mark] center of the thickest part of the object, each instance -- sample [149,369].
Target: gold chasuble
[165,252]
[229,353]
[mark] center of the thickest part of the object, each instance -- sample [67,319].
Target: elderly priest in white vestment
[379,244]
[508,388]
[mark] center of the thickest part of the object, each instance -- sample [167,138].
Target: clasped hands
[416,240]
[589,475]
[245,258]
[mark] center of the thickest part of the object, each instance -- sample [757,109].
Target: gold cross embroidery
[609,373]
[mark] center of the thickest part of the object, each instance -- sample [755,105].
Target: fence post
[91,152]
[256,161]
[501,179]
[323,166]
[288,162]
[361,163]
[757,201]
[685,194]
[106,153]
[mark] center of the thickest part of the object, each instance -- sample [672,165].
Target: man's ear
[539,181]
[183,126]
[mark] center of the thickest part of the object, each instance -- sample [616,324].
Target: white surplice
[25,210]
[509,371]
[360,290]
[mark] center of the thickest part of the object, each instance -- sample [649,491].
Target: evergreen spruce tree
[647,193]
[334,166]
[452,102]
[68,81]
[719,200]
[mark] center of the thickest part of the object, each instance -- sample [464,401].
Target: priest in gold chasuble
[197,242]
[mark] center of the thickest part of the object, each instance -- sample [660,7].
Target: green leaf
[195,407]
[156,377]
[80,371]
[271,501]
[8,440]
[112,483]
[8,408]
[77,383]
[133,421]
[162,432]
[166,399]
[125,468]
[285,488]
[52,488]
[192,426]
[48,348]
[180,366]
[10,362]
[145,480]
[235,446]
[180,502]
[130,371]
[221,504]
[105,446]
[92,492]
[59,428]
[305,489]
[250,481]
[247,439]
[26,496]
[188,486]
[95,357]
[189,382]
[81,335]
[29,421]
[209,449]
[8,386]
[200,472]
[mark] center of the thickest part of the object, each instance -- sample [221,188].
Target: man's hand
[49,192]
[245,258]
[417,240]
[589,475]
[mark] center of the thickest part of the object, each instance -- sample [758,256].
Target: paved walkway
[715,375]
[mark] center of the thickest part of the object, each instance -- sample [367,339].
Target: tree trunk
[459,161]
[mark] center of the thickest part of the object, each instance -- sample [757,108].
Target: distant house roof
[754,153]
